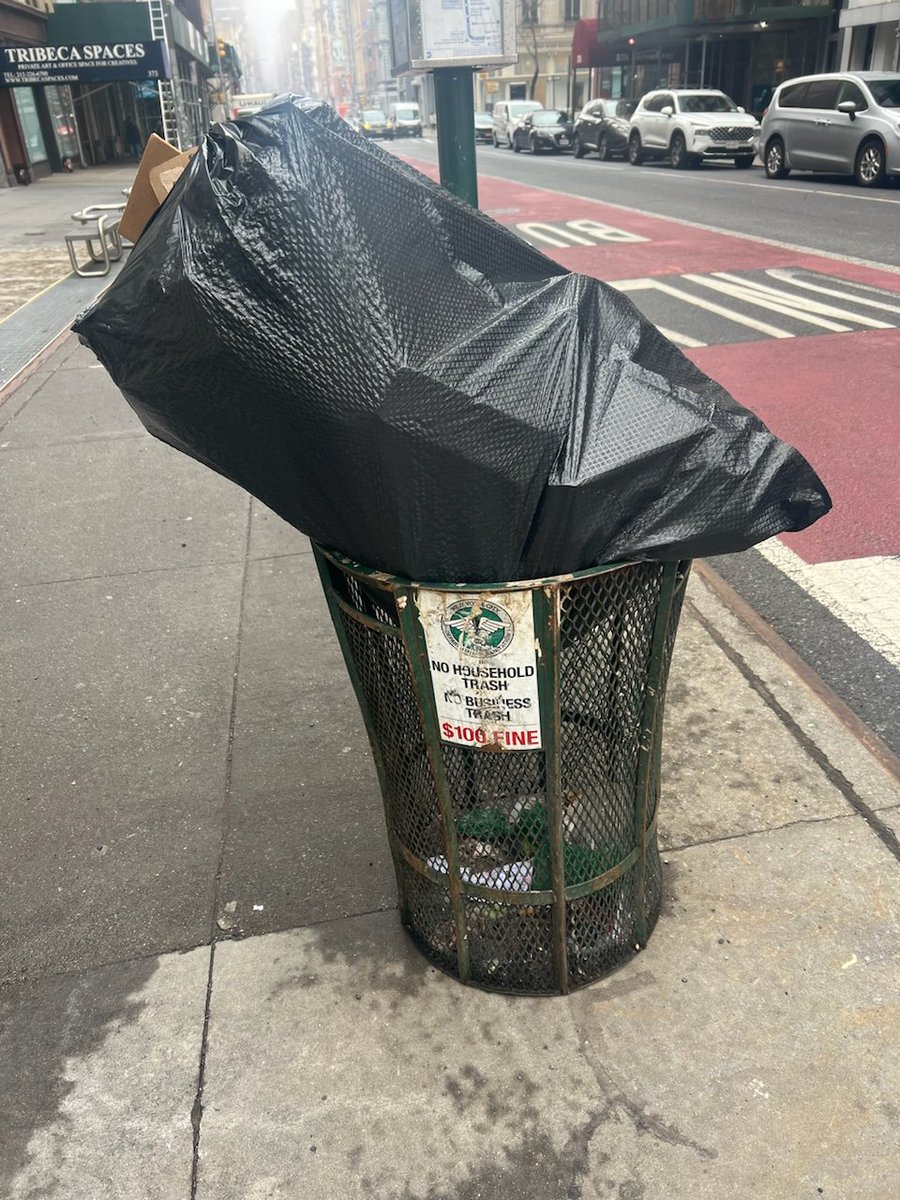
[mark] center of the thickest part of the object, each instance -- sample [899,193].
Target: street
[206,991]
[796,315]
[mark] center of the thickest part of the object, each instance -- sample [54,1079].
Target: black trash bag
[409,383]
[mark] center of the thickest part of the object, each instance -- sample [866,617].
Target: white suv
[689,126]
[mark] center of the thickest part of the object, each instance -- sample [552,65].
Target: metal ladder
[165,88]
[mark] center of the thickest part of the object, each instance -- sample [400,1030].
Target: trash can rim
[372,575]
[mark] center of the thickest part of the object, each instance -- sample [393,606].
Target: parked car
[406,119]
[691,126]
[846,123]
[602,125]
[484,125]
[374,124]
[504,116]
[543,130]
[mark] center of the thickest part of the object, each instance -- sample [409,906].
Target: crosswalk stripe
[864,593]
[802,302]
[656,284]
[749,295]
[789,275]
[681,339]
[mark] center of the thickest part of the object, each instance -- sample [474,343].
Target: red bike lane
[834,395]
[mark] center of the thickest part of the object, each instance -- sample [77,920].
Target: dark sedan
[543,130]
[602,125]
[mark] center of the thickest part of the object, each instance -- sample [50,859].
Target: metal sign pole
[455,110]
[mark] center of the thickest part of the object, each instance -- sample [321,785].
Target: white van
[406,119]
[505,115]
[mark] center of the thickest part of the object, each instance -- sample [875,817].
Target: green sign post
[450,41]
[455,110]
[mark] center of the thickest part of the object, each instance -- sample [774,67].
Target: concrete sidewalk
[205,989]
[34,221]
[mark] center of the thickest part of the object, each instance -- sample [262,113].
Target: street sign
[426,34]
[22,66]
[483,664]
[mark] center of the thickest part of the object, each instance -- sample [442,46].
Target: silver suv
[504,116]
[690,125]
[847,123]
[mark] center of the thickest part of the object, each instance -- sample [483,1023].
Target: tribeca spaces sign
[21,66]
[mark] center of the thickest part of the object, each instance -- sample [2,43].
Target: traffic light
[220,47]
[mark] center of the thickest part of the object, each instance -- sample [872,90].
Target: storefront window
[31,126]
[62,114]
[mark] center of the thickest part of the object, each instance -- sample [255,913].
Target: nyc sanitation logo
[482,629]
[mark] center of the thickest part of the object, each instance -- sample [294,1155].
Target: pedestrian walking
[133,138]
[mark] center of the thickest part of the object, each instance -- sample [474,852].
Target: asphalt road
[822,212]
[801,322]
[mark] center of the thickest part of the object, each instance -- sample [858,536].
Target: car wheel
[603,148]
[678,151]
[743,162]
[516,147]
[579,149]
[774,160]
[532,145]
[869,169]
[635,151]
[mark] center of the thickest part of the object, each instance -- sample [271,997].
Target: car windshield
[523,106]
[372,115]
[482,118]
[548,118]
[705,103]
[407,114]
[885,92]
[622,108]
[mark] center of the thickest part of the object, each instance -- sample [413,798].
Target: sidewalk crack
[197,1106]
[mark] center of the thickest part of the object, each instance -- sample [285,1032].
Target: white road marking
[605,233]
[864,592]
[552,235]
[656,284]
[754,297]
[792,275]
[830,255]
[568,233]
[803,302]
[680,339]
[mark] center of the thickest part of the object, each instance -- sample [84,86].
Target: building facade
[28,142]
[744,47]
[871,36]
[86,83]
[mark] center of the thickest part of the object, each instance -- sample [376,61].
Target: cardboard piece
[144,200]
[164,176]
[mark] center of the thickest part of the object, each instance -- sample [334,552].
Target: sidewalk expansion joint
[200,566]
[74,439]
[197,1106]
[802,738]
[232,719]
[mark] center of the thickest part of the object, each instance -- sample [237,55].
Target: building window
[573,10]
[31,126]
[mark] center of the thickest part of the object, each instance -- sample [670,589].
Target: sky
[265,17]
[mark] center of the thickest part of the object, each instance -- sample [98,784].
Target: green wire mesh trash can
[516,730]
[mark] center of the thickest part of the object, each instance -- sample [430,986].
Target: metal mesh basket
[520,869]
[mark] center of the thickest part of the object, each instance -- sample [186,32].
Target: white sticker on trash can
[481,652]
